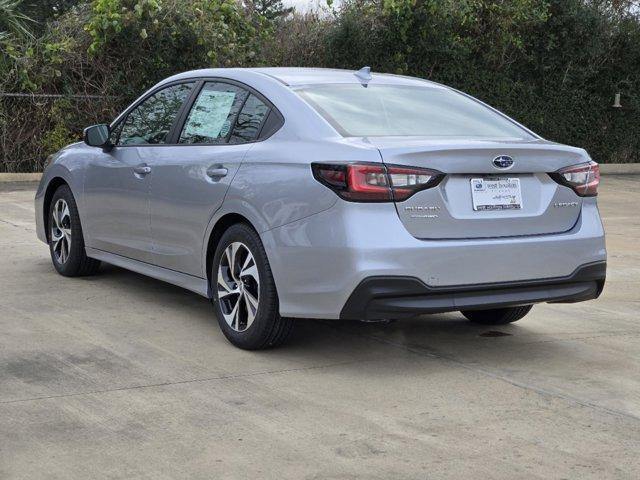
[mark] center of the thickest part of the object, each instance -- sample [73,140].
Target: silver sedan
[284,193]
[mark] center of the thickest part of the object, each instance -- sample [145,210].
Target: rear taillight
[583,178]
[368,182]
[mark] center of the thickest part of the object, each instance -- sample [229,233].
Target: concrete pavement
[120,376]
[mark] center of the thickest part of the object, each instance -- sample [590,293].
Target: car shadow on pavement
[445,336]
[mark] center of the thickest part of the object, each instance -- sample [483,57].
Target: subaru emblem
[503,162]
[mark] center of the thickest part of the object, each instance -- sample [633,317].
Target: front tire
[244,292]
[66,241]
[497,316]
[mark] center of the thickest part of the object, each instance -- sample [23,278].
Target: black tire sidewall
[258,333]
[76,250]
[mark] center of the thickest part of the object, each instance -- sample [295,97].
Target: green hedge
[554,65]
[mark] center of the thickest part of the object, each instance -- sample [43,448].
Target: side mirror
[97,136]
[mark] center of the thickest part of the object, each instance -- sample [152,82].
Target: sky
[304,5]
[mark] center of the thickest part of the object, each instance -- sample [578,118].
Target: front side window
[151,121]
[399,110]
[213,114]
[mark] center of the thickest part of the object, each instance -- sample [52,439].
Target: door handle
[142,170]
[217,172]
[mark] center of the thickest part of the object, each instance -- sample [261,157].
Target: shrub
[554,65]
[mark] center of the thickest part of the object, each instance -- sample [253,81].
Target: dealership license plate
[493,193]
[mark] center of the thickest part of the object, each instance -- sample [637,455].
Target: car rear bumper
[320,261]
[381,298]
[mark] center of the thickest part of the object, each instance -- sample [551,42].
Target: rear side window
[151,121]
[249,121]
[213,114]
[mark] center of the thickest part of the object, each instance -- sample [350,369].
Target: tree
[271,9]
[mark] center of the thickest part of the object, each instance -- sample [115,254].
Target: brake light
[583,179]
[365,182]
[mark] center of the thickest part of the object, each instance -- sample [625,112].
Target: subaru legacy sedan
[284,193]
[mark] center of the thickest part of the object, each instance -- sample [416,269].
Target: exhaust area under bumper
[382,298]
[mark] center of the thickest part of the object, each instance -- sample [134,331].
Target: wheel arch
[52,186]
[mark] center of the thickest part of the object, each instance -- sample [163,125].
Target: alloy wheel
[61,231]
[238,286]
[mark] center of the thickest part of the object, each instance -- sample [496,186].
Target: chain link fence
[32,126]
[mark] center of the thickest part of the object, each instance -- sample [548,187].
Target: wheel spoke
[249,269]
[226,288]
[65,212]
[230,317]
[56,214]
[56,245]
[223,295]
[63,250]
[251,299]
[61,230]
[236,318]
[66,232]
[232,253]
[247,262]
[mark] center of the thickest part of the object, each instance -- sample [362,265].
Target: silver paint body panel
[320,260]
[319,246]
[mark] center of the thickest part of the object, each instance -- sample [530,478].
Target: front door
[117,182]
[116,195]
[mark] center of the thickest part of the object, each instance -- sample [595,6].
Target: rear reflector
[583,178]
[368,182]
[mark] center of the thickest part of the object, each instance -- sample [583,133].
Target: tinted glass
[249,121]
[381,110]
[213,114]
[151,121]
[115,133]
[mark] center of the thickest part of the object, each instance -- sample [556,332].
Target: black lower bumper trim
[380,298]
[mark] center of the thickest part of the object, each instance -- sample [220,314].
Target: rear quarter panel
[275,182]
[275,186]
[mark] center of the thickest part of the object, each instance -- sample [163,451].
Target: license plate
[493,193]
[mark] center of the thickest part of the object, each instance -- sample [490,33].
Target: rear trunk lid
[518,200]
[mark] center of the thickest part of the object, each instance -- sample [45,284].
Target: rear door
[191,177]
[491,189]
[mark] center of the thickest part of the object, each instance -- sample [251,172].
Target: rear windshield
[393,110]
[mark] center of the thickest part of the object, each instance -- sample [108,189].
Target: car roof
[295,76]
[299,76]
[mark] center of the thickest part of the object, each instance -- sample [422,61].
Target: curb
[19,177]
[605,169]
[620,169]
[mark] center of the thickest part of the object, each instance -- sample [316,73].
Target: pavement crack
[183,382]
[21,227]
[577,339]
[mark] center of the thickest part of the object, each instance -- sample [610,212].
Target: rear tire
[244,292]
[66,241]
[497,316]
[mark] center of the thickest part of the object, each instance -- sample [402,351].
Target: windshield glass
[386,110]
